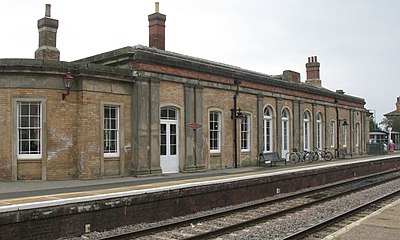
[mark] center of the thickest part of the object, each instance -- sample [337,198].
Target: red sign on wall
[194,125]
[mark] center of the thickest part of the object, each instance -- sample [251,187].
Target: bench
[271,157]
[342,153]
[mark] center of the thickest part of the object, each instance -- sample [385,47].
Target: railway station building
[143,110]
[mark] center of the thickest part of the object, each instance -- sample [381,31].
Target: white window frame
[332,133]
[285,130]
[268,132]
[113,152]
[215,126]
[29,128]
[319,131]
[357,134]
[245,128]
[344,136]
[306,131]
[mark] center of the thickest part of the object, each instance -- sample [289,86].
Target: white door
[169,159]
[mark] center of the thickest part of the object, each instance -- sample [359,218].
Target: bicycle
[296,156]
[322,154]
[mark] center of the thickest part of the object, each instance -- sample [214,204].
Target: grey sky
[356,41]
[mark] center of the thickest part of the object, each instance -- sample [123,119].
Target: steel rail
[318,227]
[220,213]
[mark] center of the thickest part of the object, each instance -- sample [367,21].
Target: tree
[391,121]
[372,124]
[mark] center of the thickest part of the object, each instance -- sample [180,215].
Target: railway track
[331,225]
[227,221]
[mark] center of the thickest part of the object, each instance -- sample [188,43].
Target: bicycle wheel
[307,157]
[328,156]
[293,157]
[315,156]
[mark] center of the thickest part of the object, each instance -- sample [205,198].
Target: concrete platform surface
[383,224]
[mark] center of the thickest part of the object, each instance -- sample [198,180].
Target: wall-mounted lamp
[237,113]
[68,79]
[344,122]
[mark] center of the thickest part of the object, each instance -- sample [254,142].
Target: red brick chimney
[47,37]
[398,104]
[157,29]
[313,72]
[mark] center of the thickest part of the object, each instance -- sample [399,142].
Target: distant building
[395,112]
[142,111]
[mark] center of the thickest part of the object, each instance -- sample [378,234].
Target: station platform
[383,224]
[76,203]
[37,191]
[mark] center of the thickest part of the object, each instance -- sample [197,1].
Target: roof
[394,113]
[142,53]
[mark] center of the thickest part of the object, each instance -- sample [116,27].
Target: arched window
[285,132]
[306,131]
[319,131]
[268,130]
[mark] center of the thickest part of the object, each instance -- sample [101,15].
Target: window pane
[113,123]
[35,122]
[106,112]
[113,113]
[163,150]
[172,149]
[34,146]
[24,109]
[164,113]
[163,139]
[172,129]
[172,115]
[34,109]
[24,122]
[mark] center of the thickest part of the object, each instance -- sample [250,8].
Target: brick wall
[70,219]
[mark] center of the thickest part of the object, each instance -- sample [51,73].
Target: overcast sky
[357,41]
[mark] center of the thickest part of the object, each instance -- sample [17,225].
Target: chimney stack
[313,72]
[47,37]
[398,104]
[291,76]
[157,29]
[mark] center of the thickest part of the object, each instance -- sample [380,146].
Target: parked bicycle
[322,154]
[296,156]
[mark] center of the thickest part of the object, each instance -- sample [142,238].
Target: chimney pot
[48,11]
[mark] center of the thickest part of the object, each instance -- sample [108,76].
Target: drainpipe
[235,114]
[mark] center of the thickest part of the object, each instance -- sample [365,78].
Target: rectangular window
[215,132]
[111,131]
[29,128]
[344,136]
[245,134]
[332,133]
